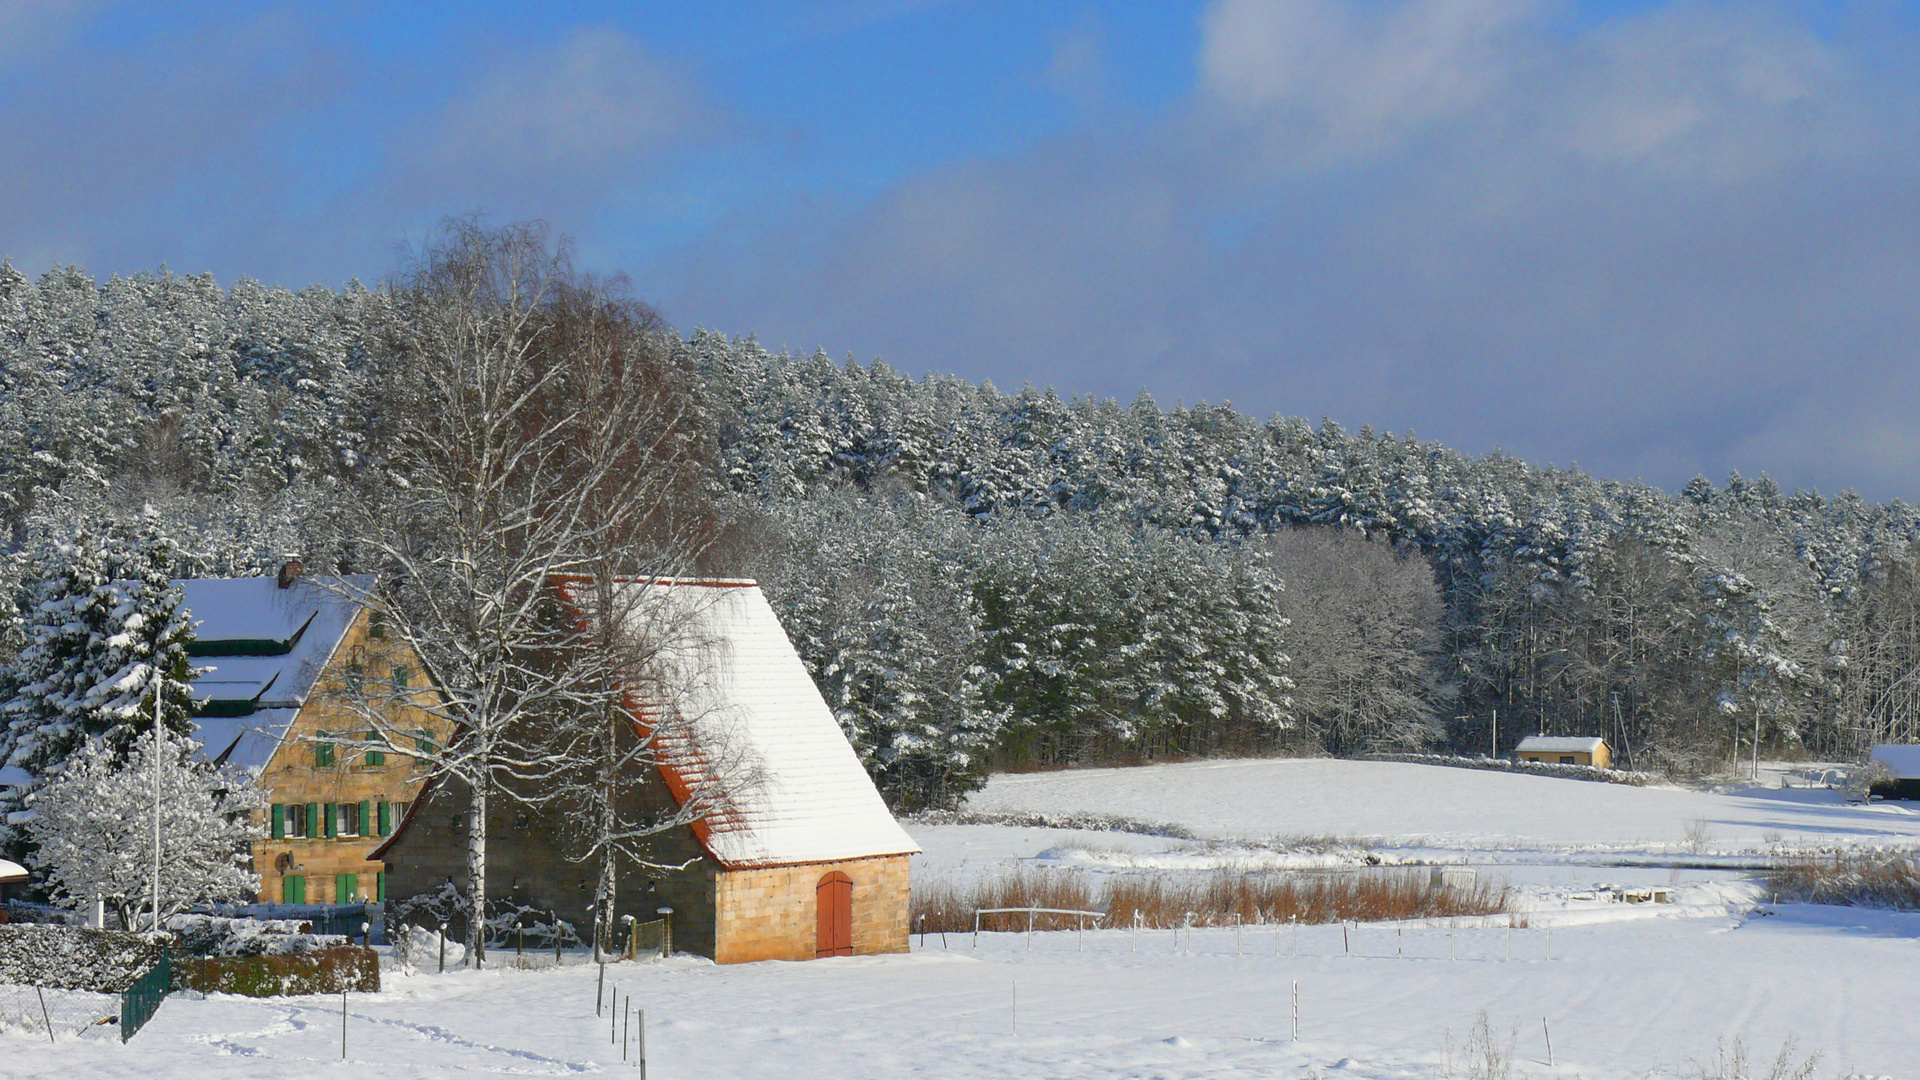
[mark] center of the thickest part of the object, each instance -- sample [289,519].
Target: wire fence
[58,1014]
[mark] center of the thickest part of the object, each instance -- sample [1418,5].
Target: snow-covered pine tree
[104,634]
[92,821]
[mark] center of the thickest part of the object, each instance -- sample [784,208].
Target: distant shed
[1558,750]
[1903,766]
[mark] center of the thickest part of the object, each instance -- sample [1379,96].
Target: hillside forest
[988,579]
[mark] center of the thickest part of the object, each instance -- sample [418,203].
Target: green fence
[143,998]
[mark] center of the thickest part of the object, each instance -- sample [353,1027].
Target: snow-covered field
[1620,990]
[1423,806]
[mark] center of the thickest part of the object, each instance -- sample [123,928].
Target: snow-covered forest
[983,578]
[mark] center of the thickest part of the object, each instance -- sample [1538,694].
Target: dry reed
[1176,899]
[1865,880]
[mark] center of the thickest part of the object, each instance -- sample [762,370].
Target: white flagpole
[159,686]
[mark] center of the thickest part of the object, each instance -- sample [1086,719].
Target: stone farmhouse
[799,860]
[283,660]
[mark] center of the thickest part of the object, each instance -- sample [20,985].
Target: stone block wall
[771,914]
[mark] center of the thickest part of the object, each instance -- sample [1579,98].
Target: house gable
[284,663]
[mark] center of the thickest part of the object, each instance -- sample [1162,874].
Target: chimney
[290,572]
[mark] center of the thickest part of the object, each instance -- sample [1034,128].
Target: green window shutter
[375,757]
[316,826]
[422,741]
[386,818]
[323,751]
[279,821]
[366,819]
[293,889]
[344,886]
[330,820]
[402,675]
[380,886]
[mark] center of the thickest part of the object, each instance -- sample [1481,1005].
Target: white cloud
[1360,72]
[592,106]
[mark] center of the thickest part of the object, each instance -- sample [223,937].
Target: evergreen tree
[104,635]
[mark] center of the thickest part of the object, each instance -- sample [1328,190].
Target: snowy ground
[1624,990]
[1428,807]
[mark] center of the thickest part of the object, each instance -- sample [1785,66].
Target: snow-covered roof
[751,709]
[1901,759]
[1555,744]
[261,648]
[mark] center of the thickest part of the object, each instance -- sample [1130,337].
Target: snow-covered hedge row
[213,935]
[75,957]
[327,971]
[1090,822]
[1535,768]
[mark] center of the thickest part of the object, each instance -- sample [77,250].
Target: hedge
[75,957]
[324,971]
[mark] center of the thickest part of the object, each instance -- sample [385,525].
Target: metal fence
[143,998]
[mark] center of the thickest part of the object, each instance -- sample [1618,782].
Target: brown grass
[1868,880]
[1170,899]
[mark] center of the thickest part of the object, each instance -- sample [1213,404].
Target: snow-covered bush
[75,957]
[1863,780]
[214,935]
[93,822]
[425,913]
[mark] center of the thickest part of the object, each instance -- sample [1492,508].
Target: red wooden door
[834,906]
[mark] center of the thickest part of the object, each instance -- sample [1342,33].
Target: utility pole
[159,693]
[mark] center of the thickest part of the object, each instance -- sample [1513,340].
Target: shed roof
[1556,744]
[1901,759]
[746,703]
[261,648]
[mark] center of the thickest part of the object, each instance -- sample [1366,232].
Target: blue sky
[1652,238]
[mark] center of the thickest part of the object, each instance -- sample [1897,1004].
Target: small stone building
[1559,750]
[802,860]
[283,660]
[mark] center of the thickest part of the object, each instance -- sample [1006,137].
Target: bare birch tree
[1364,634]
[529,429]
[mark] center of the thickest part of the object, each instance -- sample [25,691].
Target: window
[377,625]
[1566,759]
[402,676]
[356,678]
[293,889]
[296,820]
[349,818]
[323,751]
[380,884]
[374,758]
[422,741]
[385,821]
